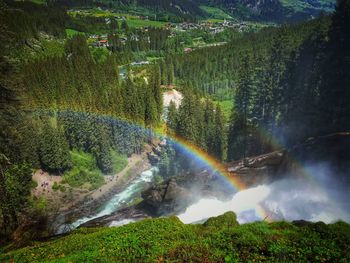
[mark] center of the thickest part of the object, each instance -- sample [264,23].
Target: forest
[47,100]
[282,92]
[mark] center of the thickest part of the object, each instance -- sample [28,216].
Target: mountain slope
[275,10]
[186,10]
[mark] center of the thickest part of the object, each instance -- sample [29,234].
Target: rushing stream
[117,201]
[289,198]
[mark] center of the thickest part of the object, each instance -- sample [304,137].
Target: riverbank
[79,202]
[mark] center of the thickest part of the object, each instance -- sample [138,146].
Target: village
[212,27]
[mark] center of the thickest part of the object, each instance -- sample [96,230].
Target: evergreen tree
[219,134]
[15,189]
[334,90]
[238,131]
[172,116]
[54,150]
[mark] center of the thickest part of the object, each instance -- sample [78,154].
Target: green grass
[132,20]
[79,177]
[215,20]
[39,2]
[83,160]
[219,240]
[137,23]
[84,172]
[226,107]
[42,49]
[71,32]
[215,13]
[299,5]
[119,161]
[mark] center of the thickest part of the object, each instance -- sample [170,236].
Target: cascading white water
[117,201]
[246,200]
[287,199]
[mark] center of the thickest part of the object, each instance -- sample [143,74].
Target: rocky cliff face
[166,198]
[332,150]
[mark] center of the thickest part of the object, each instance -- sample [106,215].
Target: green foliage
[228,219]
[54,150]
[79,177]
[220,239]
[200,122]
[71,32]
[84,172]
[279,81]
[84,160]
[58,187]
[15,187]
[215,13]
[39,205]
[119,161]
[226,107]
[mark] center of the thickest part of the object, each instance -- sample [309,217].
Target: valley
[174,131]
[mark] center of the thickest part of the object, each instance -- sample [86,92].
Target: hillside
[274,10]
[220,239]
[186,10]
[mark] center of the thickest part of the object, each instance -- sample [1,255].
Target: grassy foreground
[220,239]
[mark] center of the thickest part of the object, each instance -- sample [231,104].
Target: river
[118,201]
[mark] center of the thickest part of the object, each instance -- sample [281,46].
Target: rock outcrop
[332,150]
[166,198]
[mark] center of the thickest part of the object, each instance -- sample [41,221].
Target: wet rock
[332,150]
[153,158]
[167,198]
[133,213]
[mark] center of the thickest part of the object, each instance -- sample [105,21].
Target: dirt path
[57,200]
[119,178]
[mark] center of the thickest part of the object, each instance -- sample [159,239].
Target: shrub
[78,177]
[169,240]
[119,161]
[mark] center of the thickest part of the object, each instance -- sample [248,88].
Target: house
[103,43]
[187,50]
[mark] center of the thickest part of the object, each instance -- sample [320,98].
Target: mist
[314,193]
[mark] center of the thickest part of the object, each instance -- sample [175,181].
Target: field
[71,32]
[132,20]
[215,13]
[299,5]
[137,23]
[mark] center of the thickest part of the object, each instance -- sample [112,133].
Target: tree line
[287,83]
[37,131]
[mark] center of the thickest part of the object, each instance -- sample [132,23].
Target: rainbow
[192,151]
[200,155]
[217,166]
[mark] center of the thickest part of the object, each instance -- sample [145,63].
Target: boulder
[333,150]
[167,198]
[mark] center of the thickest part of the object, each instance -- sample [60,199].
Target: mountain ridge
[280,11]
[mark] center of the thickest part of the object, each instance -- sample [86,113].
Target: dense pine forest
[284,83]
[82,98]
[42,95]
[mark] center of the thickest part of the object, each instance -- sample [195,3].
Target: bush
[57,187]
[78,177]
[119,161]
[84,172]
[83,160]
